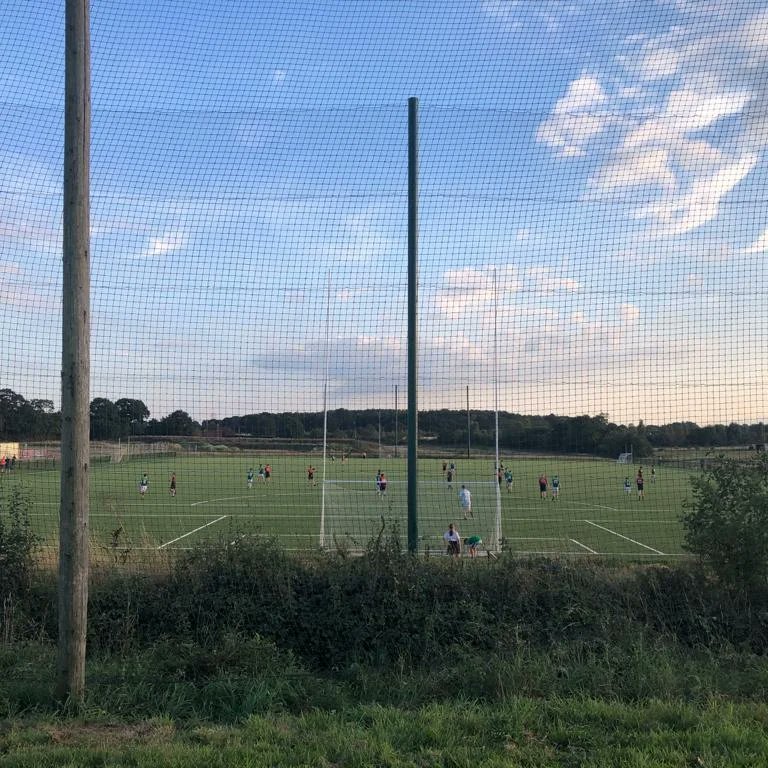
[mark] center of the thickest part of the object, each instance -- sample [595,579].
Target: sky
[592,205]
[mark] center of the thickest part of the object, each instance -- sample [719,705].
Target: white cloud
[692,156]
[503,10]
[700,204]
[279,75]
[688,110]
[659,63]
[636,168]
[546,280]
[576,118]
[760,245]
[470,279]
[163,245]
[552,15]
[753,35]
[691,176]
[665,148]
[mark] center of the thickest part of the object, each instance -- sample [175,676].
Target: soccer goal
[624,458]
[355,512]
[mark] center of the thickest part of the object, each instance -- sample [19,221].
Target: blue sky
[592,199]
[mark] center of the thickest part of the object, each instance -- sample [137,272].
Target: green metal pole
[413,300]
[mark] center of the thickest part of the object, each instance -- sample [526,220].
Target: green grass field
[593,514]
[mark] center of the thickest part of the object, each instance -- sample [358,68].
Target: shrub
[17,545]
[726,522]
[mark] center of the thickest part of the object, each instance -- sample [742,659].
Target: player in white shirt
[465,501]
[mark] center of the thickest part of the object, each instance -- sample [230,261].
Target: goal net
[624,458]
[355,512]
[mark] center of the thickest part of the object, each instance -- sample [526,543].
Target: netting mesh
[592,229]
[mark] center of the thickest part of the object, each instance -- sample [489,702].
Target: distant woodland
[35,420]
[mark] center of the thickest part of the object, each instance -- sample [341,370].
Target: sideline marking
[184,536]
[211,501]
[585,547]
[622,536]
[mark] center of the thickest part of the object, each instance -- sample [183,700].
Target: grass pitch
[592,516]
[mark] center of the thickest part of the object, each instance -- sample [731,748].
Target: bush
[726,522]
[17,545]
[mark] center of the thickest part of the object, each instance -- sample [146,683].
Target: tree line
[35,419]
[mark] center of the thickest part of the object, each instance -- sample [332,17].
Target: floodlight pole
[413,300]
[75,359]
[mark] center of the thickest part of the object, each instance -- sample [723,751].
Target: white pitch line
[179,538]
[594,506]
[212,501]
[622,536]
[533,538]
[585,547]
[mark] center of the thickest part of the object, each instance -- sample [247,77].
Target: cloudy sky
[593,216]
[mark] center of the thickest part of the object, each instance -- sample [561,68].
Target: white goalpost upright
[496,543]
[321,537]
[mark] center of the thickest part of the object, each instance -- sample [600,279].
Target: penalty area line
[184,536]
[622,536]
[584,546]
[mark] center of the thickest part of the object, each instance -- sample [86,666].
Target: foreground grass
[521,732]
[246,703]
[246,656]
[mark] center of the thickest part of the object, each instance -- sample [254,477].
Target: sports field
[593,514]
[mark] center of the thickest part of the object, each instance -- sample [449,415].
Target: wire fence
[592,234]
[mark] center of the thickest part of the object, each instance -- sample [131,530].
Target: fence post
[75,359]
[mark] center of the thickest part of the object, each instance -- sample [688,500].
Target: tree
[44,422]
[105,419]
[179,423]
[726,522]
[132,415]
[13,409]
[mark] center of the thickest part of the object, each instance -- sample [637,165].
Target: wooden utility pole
[75,358]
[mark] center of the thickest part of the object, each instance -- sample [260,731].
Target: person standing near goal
[382,485]
[172,487]
[144,485]
[640,480]
[452,540]
[465,501]
[249,477]
[555,487]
